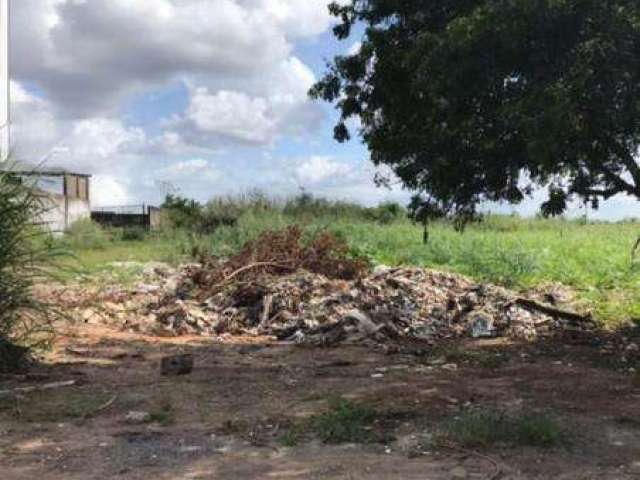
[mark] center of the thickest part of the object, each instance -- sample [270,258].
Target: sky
[195,97]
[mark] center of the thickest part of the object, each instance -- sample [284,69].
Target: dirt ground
[227,419]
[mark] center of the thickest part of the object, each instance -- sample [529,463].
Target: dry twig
[104,406]
[37,388]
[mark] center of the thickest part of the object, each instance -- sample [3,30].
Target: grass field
[594,259]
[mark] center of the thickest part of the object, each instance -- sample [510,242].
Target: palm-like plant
[25,322]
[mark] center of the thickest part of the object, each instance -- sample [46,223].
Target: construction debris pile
[388,304]
[315,294]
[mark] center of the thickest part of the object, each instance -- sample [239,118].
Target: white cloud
[34,129]
[109,191]
[231,114]
[320,168]
[99,139]
[354,48]
[256,111]
[197,169]
[87,56]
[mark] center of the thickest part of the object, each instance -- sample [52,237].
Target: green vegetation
[85,234]
[24,322]
[292,435]
[56,406]
[344,421]
[164,415]
[468,102]
[592,258]
[485,428]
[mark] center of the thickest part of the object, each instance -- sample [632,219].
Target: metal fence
[145,216]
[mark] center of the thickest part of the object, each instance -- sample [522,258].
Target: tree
[182,213]
[482,100]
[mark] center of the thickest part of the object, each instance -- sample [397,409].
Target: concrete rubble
[388,304]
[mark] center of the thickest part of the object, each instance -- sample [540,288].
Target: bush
[180,212]
[24,322]
[306,207]
[135,234]
[86,233]
[386,213]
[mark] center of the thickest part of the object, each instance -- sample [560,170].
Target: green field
[593,258]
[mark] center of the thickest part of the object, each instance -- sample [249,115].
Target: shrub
[85,233]
[308,208]
[24,322]
[386,213]
[134,233]
[180,212]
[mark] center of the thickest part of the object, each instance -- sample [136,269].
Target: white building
[65,195]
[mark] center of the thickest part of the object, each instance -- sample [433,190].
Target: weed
[538,430]
[86,234]
[163,416]
[133,234]
[59,406]
[232,426]
[293,435]
[344,422]
[485,428]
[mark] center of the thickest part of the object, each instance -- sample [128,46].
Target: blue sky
[202,97]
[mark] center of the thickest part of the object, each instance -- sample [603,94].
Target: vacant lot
[410,395]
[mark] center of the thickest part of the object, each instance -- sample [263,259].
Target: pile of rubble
[312,292]
[385,305]
[390,303]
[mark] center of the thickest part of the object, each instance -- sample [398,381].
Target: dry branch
[553,311]
[37,388]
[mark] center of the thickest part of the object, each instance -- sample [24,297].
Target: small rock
[362,321]
[449,366]
[481,324]
[157,268]
[458,472]
[177,364]
[634,467]
[380,270]
[632,347]
[147,288]
[189,449]
[91,317]
[470,300]
[438,312]
[437,361]
[136,418]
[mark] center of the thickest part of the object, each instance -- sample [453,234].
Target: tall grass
[24,322]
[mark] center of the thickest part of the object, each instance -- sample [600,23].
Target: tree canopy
[482,100]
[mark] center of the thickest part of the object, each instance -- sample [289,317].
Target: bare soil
[227,419]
